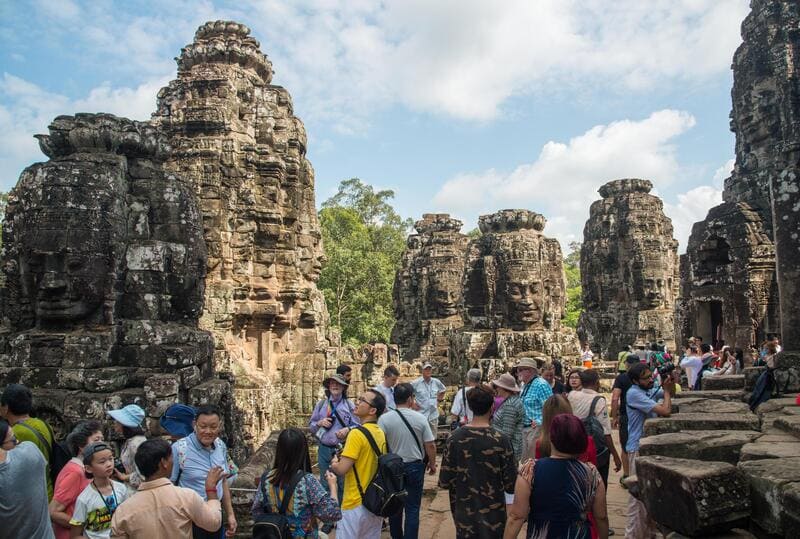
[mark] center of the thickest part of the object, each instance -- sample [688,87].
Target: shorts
[623,430]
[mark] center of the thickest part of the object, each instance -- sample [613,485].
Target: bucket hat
[507,382]
[177,420]
[131,415]
[338,378]
[527,362]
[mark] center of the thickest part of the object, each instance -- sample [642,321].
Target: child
[98,501]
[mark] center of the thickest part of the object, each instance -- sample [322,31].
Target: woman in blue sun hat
[128,422]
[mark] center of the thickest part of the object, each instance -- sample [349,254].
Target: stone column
[785,200]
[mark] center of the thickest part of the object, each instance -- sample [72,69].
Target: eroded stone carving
[104,263]
[629,269]
[236,141]
[427,291]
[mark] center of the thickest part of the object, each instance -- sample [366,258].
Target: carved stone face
[523,302]
[64,284]
[443,296]
[655,289]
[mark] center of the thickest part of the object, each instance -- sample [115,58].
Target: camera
[665,369]
[119,466]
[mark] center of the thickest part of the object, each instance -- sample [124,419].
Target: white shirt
[692,364]
[581,402]
[427,395]
[388,394]
[460,406]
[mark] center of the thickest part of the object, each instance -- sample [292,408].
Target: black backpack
[385,495]
[58,454]
[274,525]
[595,430]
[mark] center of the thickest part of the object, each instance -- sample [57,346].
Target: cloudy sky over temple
[459,106]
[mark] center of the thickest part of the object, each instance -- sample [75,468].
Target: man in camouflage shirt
[479,471]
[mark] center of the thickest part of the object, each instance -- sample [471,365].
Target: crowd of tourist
[532,445]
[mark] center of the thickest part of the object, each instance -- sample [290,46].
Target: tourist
[622,358]
[195,455]
[508,416]
[556,493]
[574,380]
[177,421]
[586,356]
[390,376]
[128,422]
[478,471]
[692,364]
[23,490]
[409,435]
[16,405]
[330,422]
[548,372]
[534,392]
[359,458]
[639,406]
[769,358]
[460,409]
[98,501]
[346,372]
[72,478]
[558,369]
[428,393]
[160,510]
[589,401]
[309,502]
[619,415]
[554,406]
[728,363]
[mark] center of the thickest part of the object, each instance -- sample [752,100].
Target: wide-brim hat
[130,416]
[527,362]
[507,382]
[177,420]
[338,378]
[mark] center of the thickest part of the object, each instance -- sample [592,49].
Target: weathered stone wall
[629,269]
[427,292]
[237,142]
[104,262]
[731,254]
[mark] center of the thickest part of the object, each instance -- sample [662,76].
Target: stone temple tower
[237,142]
[629,269]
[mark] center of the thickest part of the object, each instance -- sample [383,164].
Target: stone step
[722,382]
[709,406]
[789,424]
[701,421]
[692,499]
[705,445]
[769,481]
[721,394]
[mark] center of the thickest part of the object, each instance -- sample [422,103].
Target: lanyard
[111,508]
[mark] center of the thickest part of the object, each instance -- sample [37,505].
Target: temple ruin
[427,292]
[462,303]
[237,143]
[104,265]
[629,270]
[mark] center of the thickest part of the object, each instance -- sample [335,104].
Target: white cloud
[563,181]
[722,173]
[28,109]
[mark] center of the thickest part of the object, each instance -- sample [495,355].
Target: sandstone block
[106,380]
[790,424]
[679,422]
[721,394]
[713,446]
[709,406]
[162,385]
[751,375]
[722,382]
[690,499]
[770,450]
[768,479]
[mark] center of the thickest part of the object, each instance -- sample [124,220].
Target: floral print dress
[309,504]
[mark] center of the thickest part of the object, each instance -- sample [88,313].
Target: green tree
[3,204]
[572,270]
[364,239]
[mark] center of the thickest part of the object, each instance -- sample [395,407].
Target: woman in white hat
[509,415]
[128,422]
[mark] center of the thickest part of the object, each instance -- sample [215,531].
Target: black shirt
[622,382]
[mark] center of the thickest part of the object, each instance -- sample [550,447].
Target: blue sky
[460,106]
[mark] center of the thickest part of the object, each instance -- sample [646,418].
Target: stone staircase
[714,467]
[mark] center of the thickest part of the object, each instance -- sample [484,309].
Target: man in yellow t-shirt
[16,404]
[358,455]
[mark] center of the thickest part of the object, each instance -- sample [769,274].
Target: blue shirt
[639,406]
[191,461]
[534,394]
[388,394]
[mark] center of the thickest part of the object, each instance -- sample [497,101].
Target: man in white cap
[428,392]
[535,391]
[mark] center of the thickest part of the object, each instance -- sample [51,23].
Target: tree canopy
[364,239]
[572,269]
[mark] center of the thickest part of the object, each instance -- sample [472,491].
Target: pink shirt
[70,483]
